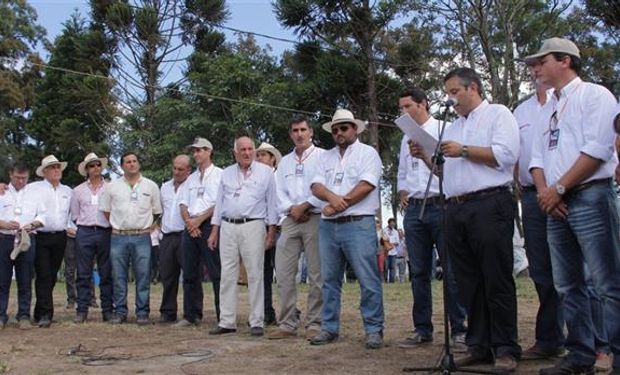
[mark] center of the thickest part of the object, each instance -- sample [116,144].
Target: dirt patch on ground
[99,348]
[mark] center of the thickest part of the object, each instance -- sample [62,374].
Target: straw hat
[47,161]
[342,116]
[200,142]
[90,158]
[272,150]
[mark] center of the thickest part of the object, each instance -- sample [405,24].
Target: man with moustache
[300,231]
[170,249]
[92,239]
[52,239]
[346,183]
[197,203]
[573,162]
[131,204]
[246,200]
[422,235]
[20,209]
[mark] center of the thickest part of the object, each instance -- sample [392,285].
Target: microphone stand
[445,365]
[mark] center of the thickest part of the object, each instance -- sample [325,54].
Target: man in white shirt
[170,250]
[392,234]
[347,184]
[197,204]
[300,231]
[532,117]
[424,235]
[481,149]
[51,239]
[573,161]
[246,200]
[92,241]
[19,209]
[131,204]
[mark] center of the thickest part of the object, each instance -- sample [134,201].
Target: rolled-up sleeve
[598,130]
[505,140]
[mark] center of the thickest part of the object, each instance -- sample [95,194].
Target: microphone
[450,102]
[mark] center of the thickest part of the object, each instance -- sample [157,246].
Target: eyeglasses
[338,129]
[92,165]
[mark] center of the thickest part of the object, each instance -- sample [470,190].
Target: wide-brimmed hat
[272,150]
[551,45]
[200,142]
[342,116]
[22,245]
[47,161]
[90,158]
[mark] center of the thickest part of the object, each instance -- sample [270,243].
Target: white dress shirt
[57,202]
[131,208]
[293,179]
[584,120]
[171,220]
[488,125]
[340,174]
[394,238]
[532,118]
[412,172]
[23,206]
[200,195]
[251,196]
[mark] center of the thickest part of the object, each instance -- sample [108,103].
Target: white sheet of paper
[414,131]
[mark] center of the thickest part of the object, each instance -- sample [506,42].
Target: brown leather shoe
[281,334]
[534,352]
[505,363]
[469,359]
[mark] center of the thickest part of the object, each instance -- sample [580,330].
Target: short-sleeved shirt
[131,208]
[23,206]
[293,179]
[171,220]
[85,205]
[198,194]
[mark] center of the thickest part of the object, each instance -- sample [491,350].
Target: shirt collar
[474,113]
[569,89]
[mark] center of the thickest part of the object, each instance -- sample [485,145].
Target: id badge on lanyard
[299,170]
[201,192]
[554,138]
[338,178]
[134,196]
[17,211]
[94,200]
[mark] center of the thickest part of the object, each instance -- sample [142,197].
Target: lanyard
[300,160]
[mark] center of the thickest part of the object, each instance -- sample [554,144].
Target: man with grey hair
[246,200]
[197,203]
[172,225]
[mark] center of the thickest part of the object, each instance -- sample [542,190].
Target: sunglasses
[338,129]
[92,165]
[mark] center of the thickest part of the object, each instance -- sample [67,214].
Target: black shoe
[324,338]
[44,322]
[565,367]
[163,319]
[270,318]
[80,317]
[106,316]
[222,331]
[257,331]
[118,319]
[470,359]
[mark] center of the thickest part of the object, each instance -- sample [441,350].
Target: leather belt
[528,188]
[477,194]
[130,232]
[242,220]
[178,233]
[347,219]
[52,232]
[94,227]
[429,200]
[589,184]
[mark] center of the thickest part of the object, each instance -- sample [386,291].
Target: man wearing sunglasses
[92,239]
[346,182]
[573,162]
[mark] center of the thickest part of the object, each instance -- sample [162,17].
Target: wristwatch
[560,189]
[464,152]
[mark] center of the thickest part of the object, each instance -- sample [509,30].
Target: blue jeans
[354,243]
[590,234]
[601,342]
[93,243]
[137,250]
[549,319]
[390,267]
[420,236]
[24,271]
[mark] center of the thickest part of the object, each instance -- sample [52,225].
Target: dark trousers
[24,269]
[93,244]
[421,236]
[170,265]
[50,252]
[390,267]
[270,256]
[549,319]
[195,254]
[70,270]
[479,243]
